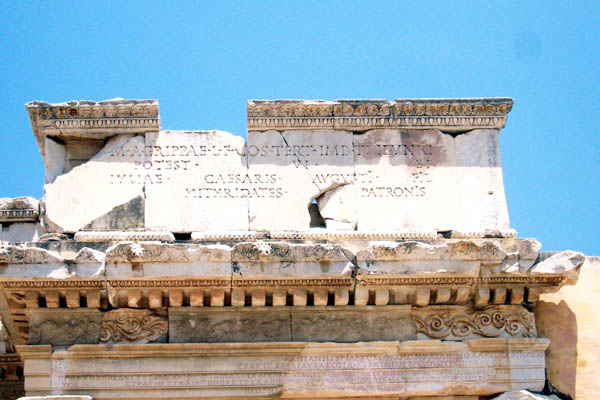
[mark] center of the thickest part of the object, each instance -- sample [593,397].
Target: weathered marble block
[21,232]
[128,260]
[19,209]
[201,181]
[291,370]
[33,262]
[60,327]
[295,168]
[413,258]
[352,324]
[106,192]
[207,325]
[408,171]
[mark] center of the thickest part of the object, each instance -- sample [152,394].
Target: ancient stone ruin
[345,249]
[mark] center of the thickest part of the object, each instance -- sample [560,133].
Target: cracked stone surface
[89,191]
[295,167]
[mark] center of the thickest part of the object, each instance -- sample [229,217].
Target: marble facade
[345,249]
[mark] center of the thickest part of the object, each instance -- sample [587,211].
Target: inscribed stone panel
[202,182]
[295,168]
[411,186]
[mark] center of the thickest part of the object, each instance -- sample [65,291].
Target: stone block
[126,260]
[63,327]
[209,325]
[205,174]
[287,260]
[21,232]
[295,168]
[570,319]
[406,171]
[112,179]
[482,200]
[463,323]
[19,209]
[482,367]
[352,324]
[413,258]
[134,326]
[55,160]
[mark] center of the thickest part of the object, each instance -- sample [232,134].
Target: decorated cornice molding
[19,209]
[92,119]
[165,253]
[444,114]
[281,251]
[119,236]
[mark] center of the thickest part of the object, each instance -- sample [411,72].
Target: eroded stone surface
[19,209]
[569,318]
[280,259]
[105,183]
[524,395]
[294,168]
[21,232]
[218,326]
[62,327]
[296,370]
[162,259]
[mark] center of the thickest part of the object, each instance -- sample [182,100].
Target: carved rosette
[128,325]
[501,321]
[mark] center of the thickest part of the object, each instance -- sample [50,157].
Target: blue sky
[204,60]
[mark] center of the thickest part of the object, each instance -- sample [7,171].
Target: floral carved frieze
[370,114]
[461,322]
[130,325]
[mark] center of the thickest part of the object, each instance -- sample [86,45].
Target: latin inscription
[158,165]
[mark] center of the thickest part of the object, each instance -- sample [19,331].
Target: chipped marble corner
[167,253]
[566,263]
[127,325]
[461,323]
[19,209]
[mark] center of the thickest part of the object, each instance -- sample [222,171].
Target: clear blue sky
[203,60]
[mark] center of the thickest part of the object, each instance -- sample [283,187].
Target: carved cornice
[168,283]
[92,119]
[445,114]
[281,251]
[166,252]
[457,323]
[292,282]
[52,283]
[117,236]
[28,255]
[19,209]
